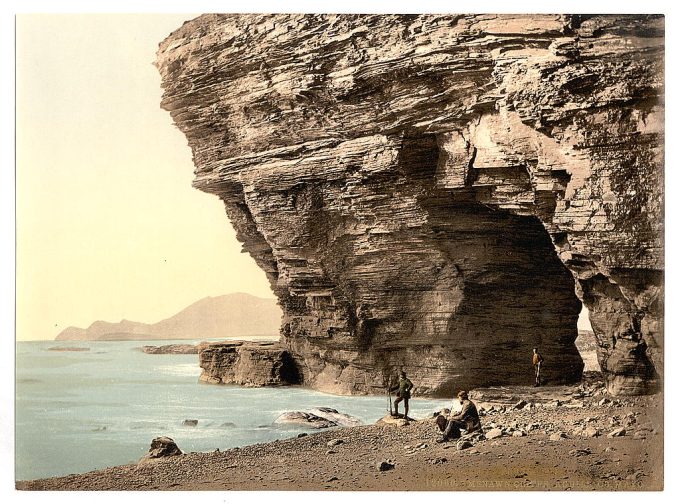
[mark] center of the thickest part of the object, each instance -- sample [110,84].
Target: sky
[108,226]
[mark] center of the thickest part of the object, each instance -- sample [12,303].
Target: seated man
[467,419]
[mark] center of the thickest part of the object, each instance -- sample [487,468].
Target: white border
[421,6]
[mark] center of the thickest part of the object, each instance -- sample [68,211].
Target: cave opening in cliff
[513,293]
[482,286]
[586,342]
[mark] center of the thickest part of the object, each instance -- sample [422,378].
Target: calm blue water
[80,411]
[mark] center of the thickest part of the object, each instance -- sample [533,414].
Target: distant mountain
[232,315]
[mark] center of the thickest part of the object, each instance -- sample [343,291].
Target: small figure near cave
[537,361]
[403,394]
[467,419]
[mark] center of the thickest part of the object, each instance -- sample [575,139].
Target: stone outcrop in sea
[247,363]
[438,193]
[170,349]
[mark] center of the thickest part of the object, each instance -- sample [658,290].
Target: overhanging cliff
[432,192]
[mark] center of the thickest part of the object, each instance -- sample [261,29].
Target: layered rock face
[248,363]
[432,193]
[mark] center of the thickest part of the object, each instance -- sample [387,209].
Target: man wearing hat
[403,394]
[467,419]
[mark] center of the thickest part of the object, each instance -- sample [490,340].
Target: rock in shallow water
[333,415]
[247,363]
[304,419]
[170,349]
[69,349]
[318,418]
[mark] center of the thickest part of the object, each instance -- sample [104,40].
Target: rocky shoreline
[170,349]
[553,438]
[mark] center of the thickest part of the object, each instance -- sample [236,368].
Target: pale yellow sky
[108,225]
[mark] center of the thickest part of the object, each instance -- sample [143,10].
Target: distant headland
[236,314]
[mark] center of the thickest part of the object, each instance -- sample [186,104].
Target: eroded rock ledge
[248,363]
[424,192]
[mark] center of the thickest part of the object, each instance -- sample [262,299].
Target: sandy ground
[523,458]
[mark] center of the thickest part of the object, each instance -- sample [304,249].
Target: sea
[78,411]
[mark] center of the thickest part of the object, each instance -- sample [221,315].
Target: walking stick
[389,397]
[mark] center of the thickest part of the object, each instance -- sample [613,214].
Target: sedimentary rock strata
[432,193]
[248,363]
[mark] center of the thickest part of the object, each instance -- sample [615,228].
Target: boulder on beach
[384,465]
[333,415]
[591,432]
[319,418]
[161,447]
[494,433]
[621,431]
[390,420]
[304,419]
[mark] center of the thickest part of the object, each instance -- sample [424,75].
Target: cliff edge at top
[436,193]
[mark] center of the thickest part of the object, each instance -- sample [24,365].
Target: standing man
[537,360]
[467,419]
[403,394]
